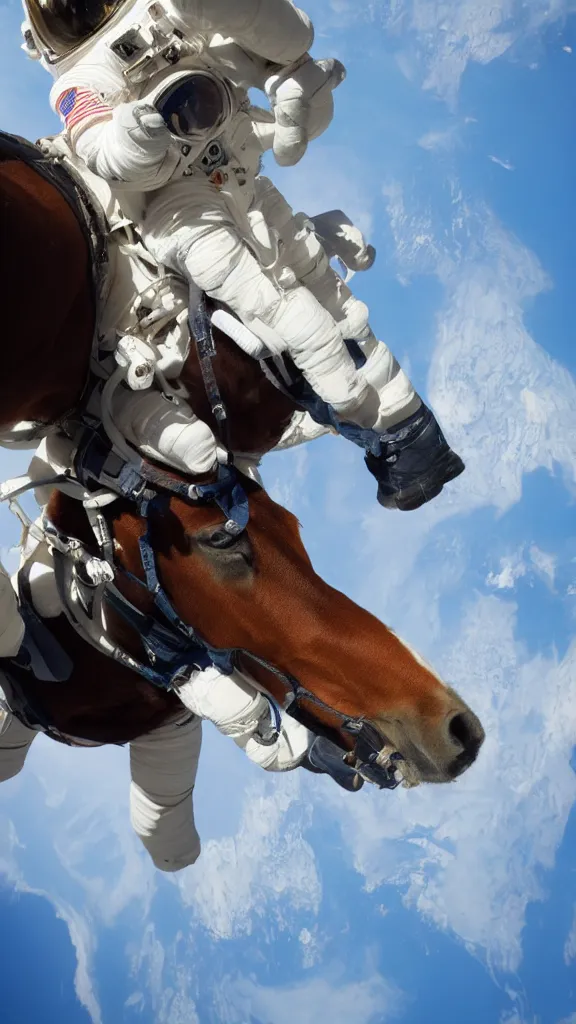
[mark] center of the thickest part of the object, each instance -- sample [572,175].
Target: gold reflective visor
[61,26]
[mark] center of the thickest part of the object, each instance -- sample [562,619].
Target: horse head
[256,593]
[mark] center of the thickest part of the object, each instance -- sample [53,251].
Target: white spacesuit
[154,101]
[153,97]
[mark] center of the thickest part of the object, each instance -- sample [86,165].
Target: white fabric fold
[238,709]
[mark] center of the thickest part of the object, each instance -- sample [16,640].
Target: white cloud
[371,1001]
[502,822]
[570,944]
[518,564]
[81,936]
[82,939]
[437,141]
[312,943]
[438,40]
[544,563]
[166,983]
[512,568]
[502,163]
[266,868]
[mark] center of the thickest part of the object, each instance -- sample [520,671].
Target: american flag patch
[76,105]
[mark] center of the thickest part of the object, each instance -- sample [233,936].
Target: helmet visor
[62,25]
[195,106]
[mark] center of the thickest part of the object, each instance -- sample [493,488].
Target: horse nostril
[467,736]
[466,732]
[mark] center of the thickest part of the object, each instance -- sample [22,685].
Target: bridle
[172,648]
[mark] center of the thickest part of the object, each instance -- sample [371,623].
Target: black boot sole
[446,469]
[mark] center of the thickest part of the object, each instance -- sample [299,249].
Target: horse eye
[220,539]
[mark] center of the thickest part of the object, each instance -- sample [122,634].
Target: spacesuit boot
[415,463]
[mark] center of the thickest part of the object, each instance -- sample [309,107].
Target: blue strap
[200,327]
[132,480]
[229,495]
[161,644]
[223,659]
[304,396]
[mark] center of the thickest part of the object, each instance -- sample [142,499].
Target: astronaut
[153,99]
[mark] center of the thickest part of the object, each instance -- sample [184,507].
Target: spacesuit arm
[123,142]
[132,147]
[273,29]
[166,432]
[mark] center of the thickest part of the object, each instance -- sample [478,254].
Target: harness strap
[201,331]
[286,376]
[96,463]
[88,622]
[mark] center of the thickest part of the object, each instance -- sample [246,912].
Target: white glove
[143,125]
[134,147]
[303,105]
[341,238]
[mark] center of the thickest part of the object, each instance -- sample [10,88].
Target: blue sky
[453,146]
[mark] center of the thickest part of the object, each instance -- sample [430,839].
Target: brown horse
[259,593]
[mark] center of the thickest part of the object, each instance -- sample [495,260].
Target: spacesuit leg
[15,742]
[163,766]
[201,241]
[303,252]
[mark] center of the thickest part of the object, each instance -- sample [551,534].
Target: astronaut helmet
[196,104]
[143,35]
[56,29]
